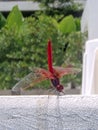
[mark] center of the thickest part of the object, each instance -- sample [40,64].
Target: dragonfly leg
[51,89]
[63,92]
[60,93]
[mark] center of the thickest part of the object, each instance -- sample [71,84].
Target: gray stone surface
[23,5]
[48,113]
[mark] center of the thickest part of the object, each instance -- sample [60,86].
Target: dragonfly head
[59,88]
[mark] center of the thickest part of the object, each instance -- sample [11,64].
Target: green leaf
[67,25]
[14,18]
[55,22]
[77,22]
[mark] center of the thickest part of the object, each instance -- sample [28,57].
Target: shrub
[23,44]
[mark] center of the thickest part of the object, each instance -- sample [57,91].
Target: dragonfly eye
[60,88]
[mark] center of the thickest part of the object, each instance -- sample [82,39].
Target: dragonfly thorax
[55,81]
[57,85]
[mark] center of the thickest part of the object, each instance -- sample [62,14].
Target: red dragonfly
[39,74]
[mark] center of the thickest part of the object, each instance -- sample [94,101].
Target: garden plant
[23,42]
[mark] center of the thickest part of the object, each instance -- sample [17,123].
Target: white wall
[89,21]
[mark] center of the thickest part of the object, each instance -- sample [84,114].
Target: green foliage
[73,55]
[23,44]
[77,23]
[59,7]
[14,19]
[67,25]
[2,20]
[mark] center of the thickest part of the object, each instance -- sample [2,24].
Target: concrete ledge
[48,113]
[23,5]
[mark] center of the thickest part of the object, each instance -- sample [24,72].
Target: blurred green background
[23,41]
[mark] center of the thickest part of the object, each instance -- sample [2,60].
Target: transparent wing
[37,75]
[60,71]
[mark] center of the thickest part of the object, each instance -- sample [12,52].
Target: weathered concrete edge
[66,101]
[72,99]
[70,112]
